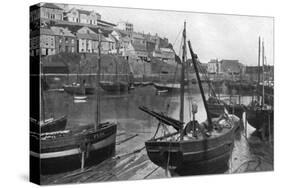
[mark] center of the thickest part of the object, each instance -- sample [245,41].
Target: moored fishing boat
[118,86]
[77,89]
[48,125]
[193,148]
[68,150]
[259,114]
[76,148]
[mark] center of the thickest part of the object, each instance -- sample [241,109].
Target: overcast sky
[212,35]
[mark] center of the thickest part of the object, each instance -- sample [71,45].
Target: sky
[213,36]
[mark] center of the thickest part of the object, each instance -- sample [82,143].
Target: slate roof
[44,31]
[61,31]
[51,5]
[84,36]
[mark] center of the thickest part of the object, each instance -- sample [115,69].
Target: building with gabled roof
[137,51]
[82,16]
[48,11]
[65,40]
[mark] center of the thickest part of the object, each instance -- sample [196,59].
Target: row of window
[66,40]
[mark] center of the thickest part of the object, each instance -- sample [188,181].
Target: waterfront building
[138,38]
[166,55]
[65,41]
[46,11]
[214,67]
[82,16]
[232,67]
[126,26]
[122,41]
[137,52]
[47,42]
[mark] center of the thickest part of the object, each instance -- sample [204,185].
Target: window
[66,40]
[72,41]
[72,49]
[60,40]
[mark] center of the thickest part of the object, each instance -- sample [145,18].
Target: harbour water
[131,162]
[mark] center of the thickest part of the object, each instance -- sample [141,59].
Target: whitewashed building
[82,16]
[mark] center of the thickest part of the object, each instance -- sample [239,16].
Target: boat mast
[262,73]
[98,82]
[259,52]
[42,94]
[194,61]
[116,70]
[182,74]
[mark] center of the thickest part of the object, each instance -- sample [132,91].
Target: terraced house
[65,41]
[47,42]
[46,11]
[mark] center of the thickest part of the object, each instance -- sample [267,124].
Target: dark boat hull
[114,86]
[58,124]
[259,119]
[77,90]
[193,156]
[65,153]
[169,87]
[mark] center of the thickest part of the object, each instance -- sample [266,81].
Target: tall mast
[262,73]
[194,61]
[182,74]
[116,70]
[259,52]
[41,93]
[98,83]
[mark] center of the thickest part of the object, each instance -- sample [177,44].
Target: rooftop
[50,5]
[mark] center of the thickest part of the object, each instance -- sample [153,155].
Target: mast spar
[263,57]
[258,84]
[182,74]
[97,83]
[194,59]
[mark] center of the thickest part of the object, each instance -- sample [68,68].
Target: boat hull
[77,90]
[114,87]
[67,153]
[58,124]
[259,119]
[191,157]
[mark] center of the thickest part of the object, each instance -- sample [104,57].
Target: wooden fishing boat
[191,155]
[73,149]
[259,118]
[114,86]
[194,148]
[48,125]
[77,89]
[167,86]
[218,107]
[80,147]
[259,114]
